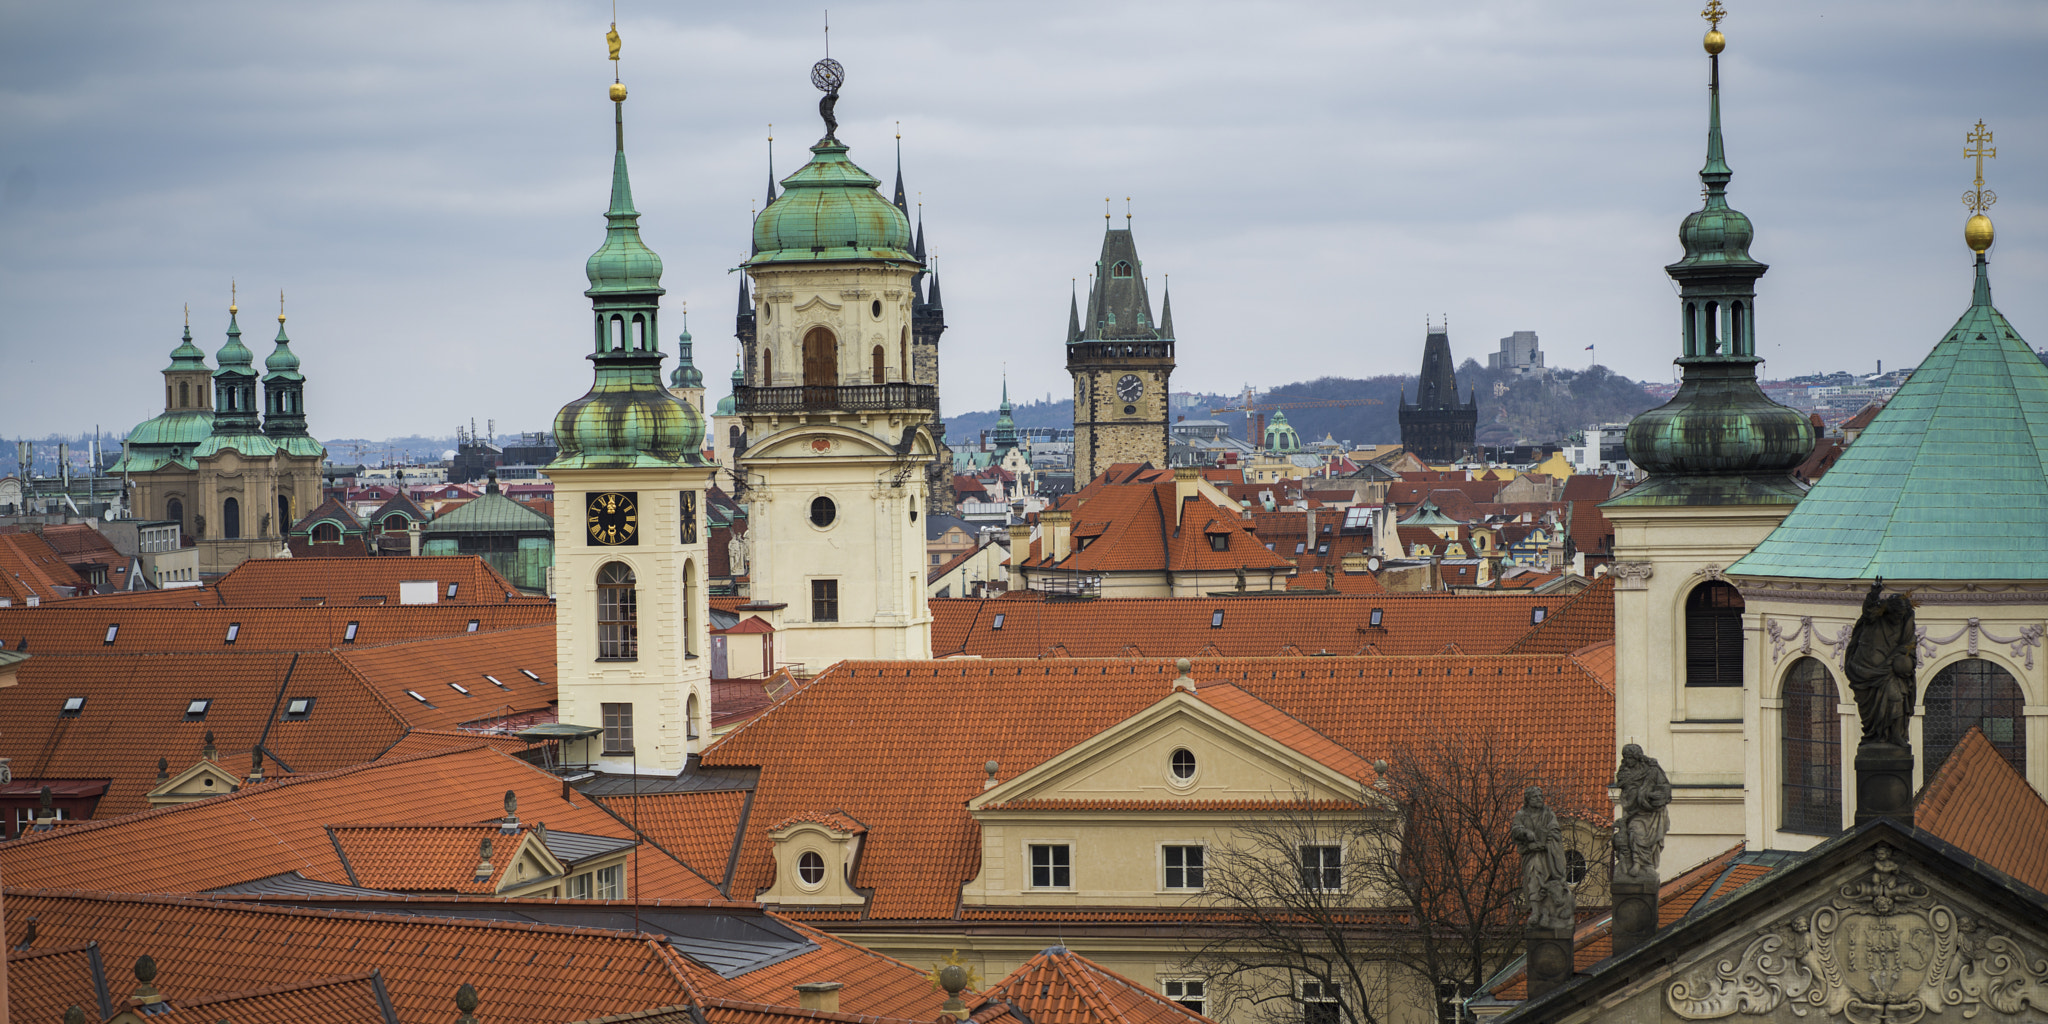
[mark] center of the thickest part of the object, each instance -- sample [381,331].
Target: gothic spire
[901,202]
[1073,314]
[1166,312]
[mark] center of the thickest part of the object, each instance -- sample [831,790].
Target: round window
[1183,764]
[810,867]
[823,512]
[876,309]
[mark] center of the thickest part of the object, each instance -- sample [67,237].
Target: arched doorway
[1978,693]
[1811,747]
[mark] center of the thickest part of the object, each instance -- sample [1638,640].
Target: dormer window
[810,868]
[1219,542]
[348,635]
[72,707]
[998,623]
[1122,269]
[234,630]
[195,710]
[112,631]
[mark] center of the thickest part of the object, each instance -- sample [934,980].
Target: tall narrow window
[231,519]
[618,626]
[1692,329]
[1975,693]
[821,358]
[881,360]
[1713,635]
[1812,747]
[284,513]
[1737,330]
[690,609]
[903,347]
[184,395]
[618,728]
[767,368]
[1713,326]
[174,510]
[640,332]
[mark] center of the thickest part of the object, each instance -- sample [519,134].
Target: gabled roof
[80,627]
[1132,521]
[405,857]
[329,511]
[923,762]
[1980,803]
[31,568]
[492,666]
[401,505]
[1059,986]
[1950,480]
[492,513]
[283,581]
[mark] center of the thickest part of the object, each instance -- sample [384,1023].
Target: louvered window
[1812,746]
[1975,693]
[1713,636]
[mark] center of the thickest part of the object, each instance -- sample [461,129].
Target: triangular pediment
[198,782]
[1234,761]
[530,863]
[1880,924]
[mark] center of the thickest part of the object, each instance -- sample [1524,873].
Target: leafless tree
[1424,907]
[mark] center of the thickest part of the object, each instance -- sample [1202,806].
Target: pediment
[202,780]
[1132,762]
[818,305]
[531,863]
[825,441]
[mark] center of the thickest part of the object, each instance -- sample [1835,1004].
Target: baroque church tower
[1719,457]
[1438,428]
[632,633]
[838,415]
[1122,364]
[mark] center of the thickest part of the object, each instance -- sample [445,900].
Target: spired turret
[284,397]
[1720,440]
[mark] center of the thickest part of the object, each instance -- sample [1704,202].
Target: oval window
[876,309]
[823,512]
[810,868]
[1183,764]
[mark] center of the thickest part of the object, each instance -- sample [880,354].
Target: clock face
[1129,387]
[614,518]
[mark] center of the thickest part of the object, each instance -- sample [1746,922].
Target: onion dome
[234,356]
[623,264]
[729,405]
[686,375]
[830,210]
[283,363]
[187,356]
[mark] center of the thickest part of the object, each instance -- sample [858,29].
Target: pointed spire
[624,264]
[901,202]
[1073,312]
[746,308]
[771,167]
[1166,310]
[686,375]
[187,356]
[932,299]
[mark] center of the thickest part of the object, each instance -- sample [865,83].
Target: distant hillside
[1059,415]
[1554,408]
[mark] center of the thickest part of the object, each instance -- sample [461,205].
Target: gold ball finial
[1977,233]
[1715,42]
[618,92]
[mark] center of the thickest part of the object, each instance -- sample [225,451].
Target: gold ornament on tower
[1977,233]
[1715,42]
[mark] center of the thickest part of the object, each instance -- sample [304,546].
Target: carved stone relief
[1631,575]
[1883,950]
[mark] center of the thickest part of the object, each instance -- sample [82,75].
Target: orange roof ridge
[340,979]
[16,955]
[1980,804]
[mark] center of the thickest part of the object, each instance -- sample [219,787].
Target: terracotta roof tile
[1980,804]
[1573,621]
[1139,525]
[493,667]
[43,981]
[81,626]
[1061,987]
[700,828]
[923,762]
[1487,623]
[425,858]
[31,568]
[285,581]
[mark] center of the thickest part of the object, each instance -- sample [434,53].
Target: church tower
[1719,457]
[1121,361]
[839,429]
[1438,428]
[632,628]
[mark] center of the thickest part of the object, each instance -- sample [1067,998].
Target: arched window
[167,397]
[1122,269]
[618,613]
[618,340]
[1713,325]
[326,533]
[231,519]
[821,358]
[174,510]
[639,332]
[395,522]
[184,395]
[904,353]
[284,513]
[881,360]
[690,719]
[1812,749]
[1713,635]
[1692,329]
[690,609]
[767,368]
[1977,693]
[1737,339]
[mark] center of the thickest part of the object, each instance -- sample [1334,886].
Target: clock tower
[631,612]
[1122,361]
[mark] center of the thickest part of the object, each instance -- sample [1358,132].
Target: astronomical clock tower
[1122,361]
[631,617]
[839,432]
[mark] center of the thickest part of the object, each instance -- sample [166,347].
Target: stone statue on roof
[1546,879]
[1639,835]
[1880,666]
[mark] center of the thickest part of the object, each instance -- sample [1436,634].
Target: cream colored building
[838,432]
[632,619]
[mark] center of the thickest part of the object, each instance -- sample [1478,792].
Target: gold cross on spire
[1714,13]
[1979,198]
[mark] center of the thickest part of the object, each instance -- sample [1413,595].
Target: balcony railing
[846,398]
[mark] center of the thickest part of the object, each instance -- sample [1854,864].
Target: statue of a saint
[1639,835]
[1880,666]
[1546,884]
[1240,579]
[264,529]
[198,526]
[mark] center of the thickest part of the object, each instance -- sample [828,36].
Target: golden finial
[899,131]
[1977,233]
[611,38]
[1105,210]
[1715,41]
[233,306]
[188,314]
[280,305]
[953,959]
[1127,211]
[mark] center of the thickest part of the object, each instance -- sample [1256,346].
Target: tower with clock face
[632,633]
[1122,363]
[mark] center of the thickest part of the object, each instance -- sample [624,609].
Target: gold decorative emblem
[614,518]
[953,960]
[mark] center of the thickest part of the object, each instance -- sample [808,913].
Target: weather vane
[828,76]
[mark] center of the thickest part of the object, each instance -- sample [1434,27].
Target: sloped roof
[1573,622]
[1059,986]
[1977,801]
[1252,627]
[493,667]
[407,857]
[283,581]
[400,504]
[923,762]
[1950,480]
[30,567]
[42,981]
[80,627]
[270,829]
[701,828]
[1137,524]
[491,513]
[332,511]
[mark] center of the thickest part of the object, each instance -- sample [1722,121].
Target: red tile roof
[279,827]
[1573,621]
[1061,987]
[1978,802]
[425,858]
[285,581]
[492,667]
[80,627]
[699,828]
[1410,624]
[921,763]
[1589,487]
[1139,525]
[31,568]
[80,544]
[44,980]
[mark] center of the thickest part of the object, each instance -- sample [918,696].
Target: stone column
[1884,783]
[1550,958]
[1635,912]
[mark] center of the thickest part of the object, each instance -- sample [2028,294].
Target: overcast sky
[425,180]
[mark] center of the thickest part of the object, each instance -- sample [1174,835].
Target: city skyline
[425,186]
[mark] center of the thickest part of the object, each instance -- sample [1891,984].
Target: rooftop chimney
[1186,481]
[822,996]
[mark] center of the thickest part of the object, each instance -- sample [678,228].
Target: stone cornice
[1936,592]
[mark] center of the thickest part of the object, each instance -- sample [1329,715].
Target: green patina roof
[234,357]
[1950,481]
[187,356]
[829,210]
[623,264]
[1429,514]
[283,363]
[183,427]
[252,445]
[491,513]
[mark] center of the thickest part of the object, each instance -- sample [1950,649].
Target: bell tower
[1121,361]
[631,614]
[839,426]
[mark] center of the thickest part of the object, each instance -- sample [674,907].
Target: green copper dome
[282,364]
[234,356]
[686,374]
[623,263]
[182,427]
[628,421]
[730,404]
[188,357]
[830,210]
